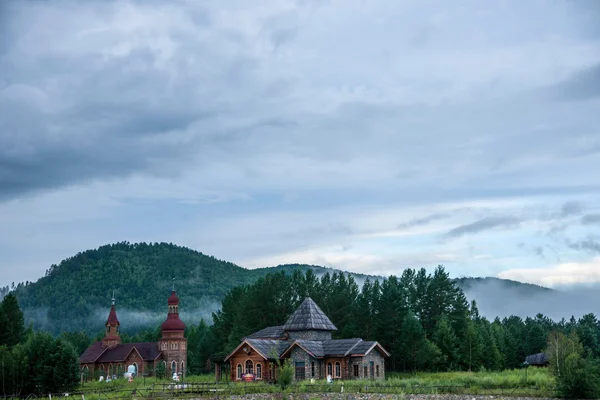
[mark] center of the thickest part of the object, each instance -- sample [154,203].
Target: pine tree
[446,340]
[13,327]
[414,349]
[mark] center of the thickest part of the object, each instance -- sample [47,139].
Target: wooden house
[306,339]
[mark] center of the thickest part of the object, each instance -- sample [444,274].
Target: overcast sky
[368,136]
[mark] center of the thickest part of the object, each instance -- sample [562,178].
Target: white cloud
[568,273]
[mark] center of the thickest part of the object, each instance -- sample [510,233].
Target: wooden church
[109,356]
[306,339]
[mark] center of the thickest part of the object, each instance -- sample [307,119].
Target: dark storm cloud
[422,221]
[582,85]
[484,224]
[67,119]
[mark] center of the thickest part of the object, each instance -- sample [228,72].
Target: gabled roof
[365,347]
[336,347]
[271,332]
[91,354]
[340,347]
[313,347]
[537,359]
[309,317]
[96,353]
[264,347]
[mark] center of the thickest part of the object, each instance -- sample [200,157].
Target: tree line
[423,319]
[32,362]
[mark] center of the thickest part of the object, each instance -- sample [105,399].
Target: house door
[300,371]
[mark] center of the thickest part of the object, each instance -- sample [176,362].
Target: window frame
[251,366]
[258,369]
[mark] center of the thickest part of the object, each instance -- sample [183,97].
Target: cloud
[590,219]
[484,224]
[249,130]
[590,245]
[568,273]
[581,85]
[571,208]
[422,221]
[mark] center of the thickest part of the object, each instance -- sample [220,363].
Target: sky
[369,136]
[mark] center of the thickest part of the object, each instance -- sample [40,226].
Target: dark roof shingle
[309,317]
[537,359]
[363,347]
[341,347]
[92,353]
[271,332]
[148,351]
[267,346]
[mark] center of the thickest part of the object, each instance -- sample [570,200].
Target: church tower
[173,344]
[111,335]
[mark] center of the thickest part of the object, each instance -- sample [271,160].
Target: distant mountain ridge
[75,294]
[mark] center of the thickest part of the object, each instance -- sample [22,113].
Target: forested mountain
[75,294]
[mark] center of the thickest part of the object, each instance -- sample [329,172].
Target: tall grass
[538,383]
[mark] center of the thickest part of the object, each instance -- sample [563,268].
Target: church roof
[309,317]
[112,316]
[96,353]
[336,347]
[271,332]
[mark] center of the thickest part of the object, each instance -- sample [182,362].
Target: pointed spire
[309,316]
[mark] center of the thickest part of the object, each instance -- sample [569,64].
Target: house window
[300,371]
[355,369]
[249,367]
[312,369]
[365,373]
[173,367]
[338,370]
[107,329]
[377,371]
[117,329]
[175,346]
[239,371]
[329,369]
[258,371]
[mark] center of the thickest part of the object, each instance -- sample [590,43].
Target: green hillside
[75,294]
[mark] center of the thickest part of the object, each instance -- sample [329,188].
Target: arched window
[174,367]
[239,371]
[249,367]
[258,371]
[111,370]
[329,369]
[338,370]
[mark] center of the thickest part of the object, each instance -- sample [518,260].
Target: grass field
[537,383]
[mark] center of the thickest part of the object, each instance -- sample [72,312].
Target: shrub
[286,374]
